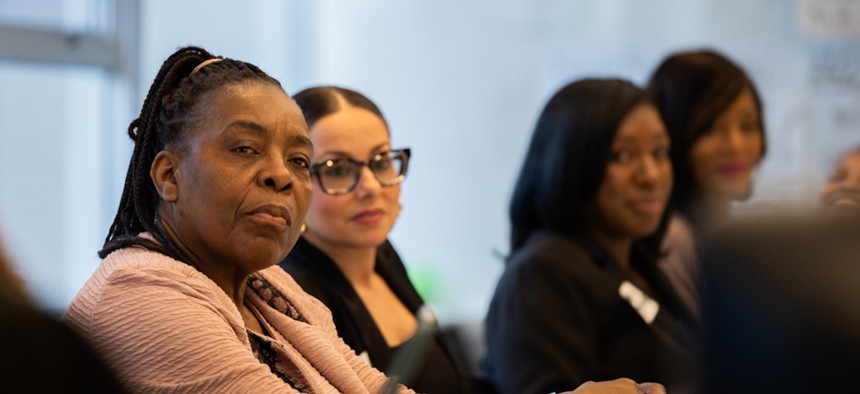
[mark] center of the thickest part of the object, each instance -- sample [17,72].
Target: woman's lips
[267,218]
[844,198]
[369,217]
[648,206]
[733,169]
[846,202]
[273,215]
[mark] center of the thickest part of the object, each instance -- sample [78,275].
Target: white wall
[461,82]
[50,169]
[263,32]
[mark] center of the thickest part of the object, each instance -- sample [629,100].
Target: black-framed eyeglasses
[340,176]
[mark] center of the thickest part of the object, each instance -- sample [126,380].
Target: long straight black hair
[690,89]
[567,157]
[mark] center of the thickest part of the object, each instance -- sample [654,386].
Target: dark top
[319,276]
[42,355]
[262,346]
[781,309]
[557,319]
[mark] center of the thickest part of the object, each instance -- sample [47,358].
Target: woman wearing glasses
[344,257]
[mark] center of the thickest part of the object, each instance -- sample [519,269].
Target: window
[64,97]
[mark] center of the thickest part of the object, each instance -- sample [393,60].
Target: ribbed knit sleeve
[164,329]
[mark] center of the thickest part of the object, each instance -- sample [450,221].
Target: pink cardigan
[165,327]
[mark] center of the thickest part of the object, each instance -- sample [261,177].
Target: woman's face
[363,217]
[633,194]
[242,178]
[724,157]
[842,189]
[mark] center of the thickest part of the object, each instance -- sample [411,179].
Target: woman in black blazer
[581,298]
[344,257]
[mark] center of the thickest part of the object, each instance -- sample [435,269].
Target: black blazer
[557,320]
[318,275]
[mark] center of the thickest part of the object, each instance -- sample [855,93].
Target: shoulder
[309,279]
[136,267]
[551,272]
[679,246]
[679,232]
[282,280]
[546,250]
[312,269]
[132,280]
[141,268]
[547,261]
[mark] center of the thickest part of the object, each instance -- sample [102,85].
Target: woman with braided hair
[186,298]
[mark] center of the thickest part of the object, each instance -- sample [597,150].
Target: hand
[618,386]
[652,388]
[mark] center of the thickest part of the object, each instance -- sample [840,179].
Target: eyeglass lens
[342,175]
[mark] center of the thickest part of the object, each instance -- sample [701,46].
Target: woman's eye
[245,150]
[338,170]
[661,153]
[749,127]
[620,157]
[301,162]
[715,128]
[838,176]
[382,164]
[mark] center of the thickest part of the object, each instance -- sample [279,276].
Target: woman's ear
[163,174]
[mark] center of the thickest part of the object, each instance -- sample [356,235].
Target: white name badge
[645,306]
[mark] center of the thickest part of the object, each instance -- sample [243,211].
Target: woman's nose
[367,182]
[734,139]
[648,171]
[275,174]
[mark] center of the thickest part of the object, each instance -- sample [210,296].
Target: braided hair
[167,114]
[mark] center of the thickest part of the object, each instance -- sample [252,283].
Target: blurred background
[460,82]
